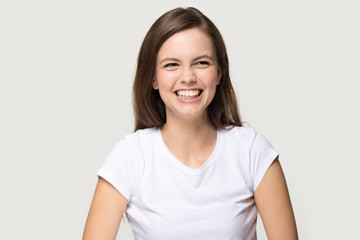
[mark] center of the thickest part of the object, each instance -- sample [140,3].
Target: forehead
[188,43]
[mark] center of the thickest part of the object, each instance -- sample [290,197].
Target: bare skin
[191,137]
[273,203]
[188,133]
[106,211]
[192,144]
[271,197]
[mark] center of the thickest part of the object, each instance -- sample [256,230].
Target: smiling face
[187,73]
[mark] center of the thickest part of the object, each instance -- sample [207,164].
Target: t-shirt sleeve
[119,168]
[262,155]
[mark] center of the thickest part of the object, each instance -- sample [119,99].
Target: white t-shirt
[168,200]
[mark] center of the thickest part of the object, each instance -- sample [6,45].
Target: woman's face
[187,73]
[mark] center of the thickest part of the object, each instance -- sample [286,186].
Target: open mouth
[188,94]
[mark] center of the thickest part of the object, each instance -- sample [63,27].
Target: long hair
[149,108]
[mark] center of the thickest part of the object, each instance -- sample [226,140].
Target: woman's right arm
[106,211]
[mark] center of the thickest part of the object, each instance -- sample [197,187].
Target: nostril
[190,79]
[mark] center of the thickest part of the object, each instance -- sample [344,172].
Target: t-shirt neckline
[181,165]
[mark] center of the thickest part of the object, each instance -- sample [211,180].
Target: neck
[186,129]
[191,141]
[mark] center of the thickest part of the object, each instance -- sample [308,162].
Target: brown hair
[149,109]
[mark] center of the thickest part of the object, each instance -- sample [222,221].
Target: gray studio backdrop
[66,70]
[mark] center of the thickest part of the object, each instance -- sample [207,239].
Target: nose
[188,76]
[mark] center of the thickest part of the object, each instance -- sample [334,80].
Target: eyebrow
[169,59]
[195,59]
[204,56]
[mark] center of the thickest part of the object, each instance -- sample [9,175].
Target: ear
[155,85]
[219,76]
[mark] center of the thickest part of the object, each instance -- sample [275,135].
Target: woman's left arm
[273,202]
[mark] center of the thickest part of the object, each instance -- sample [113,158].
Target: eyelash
[202,63]
[171,65]
[197,63]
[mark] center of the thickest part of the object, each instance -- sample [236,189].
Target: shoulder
[128,153]
[256,151]
[245,136]
[140,137]
[132,145]
[125,162]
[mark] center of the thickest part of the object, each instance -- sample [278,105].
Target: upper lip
[188,89]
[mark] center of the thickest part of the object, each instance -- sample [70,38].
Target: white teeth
[188,93]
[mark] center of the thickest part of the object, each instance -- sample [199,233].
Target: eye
[171,65]
[202,63]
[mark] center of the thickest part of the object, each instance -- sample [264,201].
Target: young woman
[190,170]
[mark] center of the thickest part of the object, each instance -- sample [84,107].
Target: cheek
[211,77]
[166,79]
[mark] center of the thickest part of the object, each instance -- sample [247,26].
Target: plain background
[66,71]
